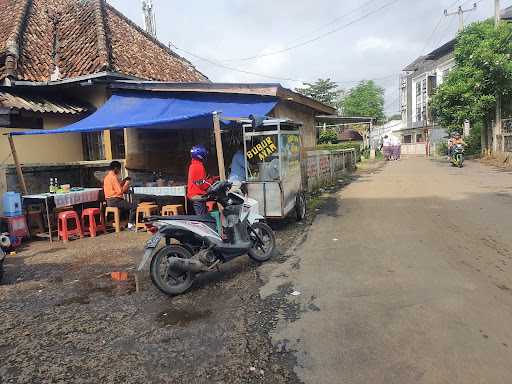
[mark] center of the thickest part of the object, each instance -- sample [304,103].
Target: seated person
[115,189]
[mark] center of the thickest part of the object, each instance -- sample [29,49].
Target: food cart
[273,167]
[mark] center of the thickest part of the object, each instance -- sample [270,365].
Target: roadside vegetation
[483,69]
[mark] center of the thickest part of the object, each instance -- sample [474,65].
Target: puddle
[87,290]
[181,317]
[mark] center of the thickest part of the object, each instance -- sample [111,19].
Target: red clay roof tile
[83,37]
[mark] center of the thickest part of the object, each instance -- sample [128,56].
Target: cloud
[373,44]
[378,46]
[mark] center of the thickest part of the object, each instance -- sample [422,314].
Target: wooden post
[21,179]
[107,145]
[218,145]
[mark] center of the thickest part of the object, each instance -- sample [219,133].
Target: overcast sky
[363,39]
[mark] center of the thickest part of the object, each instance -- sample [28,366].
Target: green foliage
[442,148]
[484,67]
[474,141]
[366,99]
[333,147]
[323,90]
[329,136]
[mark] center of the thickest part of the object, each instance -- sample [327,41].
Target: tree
[366,99]
[328,136]
[483,67]
[323,90]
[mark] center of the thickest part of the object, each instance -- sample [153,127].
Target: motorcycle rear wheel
[262,252]
[170,282]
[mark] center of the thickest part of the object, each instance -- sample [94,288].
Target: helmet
[457,135]
[198,152]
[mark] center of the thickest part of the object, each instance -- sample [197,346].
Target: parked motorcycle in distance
[457,157]
[193,245]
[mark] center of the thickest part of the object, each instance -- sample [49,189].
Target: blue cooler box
[12,204]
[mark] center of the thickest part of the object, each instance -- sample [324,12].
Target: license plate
[153,242]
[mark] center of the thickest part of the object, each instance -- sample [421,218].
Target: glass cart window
[263,158]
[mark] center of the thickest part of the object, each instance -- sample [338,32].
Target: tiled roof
[72,38]
[11,12]
[40,104]
[129,44]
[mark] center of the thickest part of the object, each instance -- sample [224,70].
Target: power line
[321,36]
[220,65]
[333,21]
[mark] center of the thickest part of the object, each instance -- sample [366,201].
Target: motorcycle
[457,155]
[5,243]
[194,246]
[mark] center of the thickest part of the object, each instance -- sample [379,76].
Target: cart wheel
[300,206]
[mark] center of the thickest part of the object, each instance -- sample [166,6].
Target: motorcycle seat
[199,218]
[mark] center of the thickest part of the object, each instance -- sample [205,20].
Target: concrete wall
[298,113]
[413,149]
[324,167]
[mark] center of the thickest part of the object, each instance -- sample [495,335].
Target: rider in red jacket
[198,182]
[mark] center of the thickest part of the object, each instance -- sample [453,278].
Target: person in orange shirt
[115,189]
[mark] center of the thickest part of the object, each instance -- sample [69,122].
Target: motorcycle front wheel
[166,280]
[264,242]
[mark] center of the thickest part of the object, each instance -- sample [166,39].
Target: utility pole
[496,145]
[460,12]
[148,14]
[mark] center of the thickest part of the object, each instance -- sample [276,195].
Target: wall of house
[300,114]
[439,68]
[43,148]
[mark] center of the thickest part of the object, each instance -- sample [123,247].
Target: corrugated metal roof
[39,104]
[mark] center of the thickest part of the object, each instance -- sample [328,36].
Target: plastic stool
[216,216]
[211,205]
[116,223]
[64,231]
[144,210]
[94,220]
[172,210]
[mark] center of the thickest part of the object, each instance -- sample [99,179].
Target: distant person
[386,147]
[115,190]
[396,147]
[455,140]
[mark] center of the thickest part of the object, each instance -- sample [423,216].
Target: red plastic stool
[93,222]
[64,231]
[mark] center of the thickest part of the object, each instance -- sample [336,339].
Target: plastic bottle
[51,189]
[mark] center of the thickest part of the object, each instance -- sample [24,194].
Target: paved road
[405,277]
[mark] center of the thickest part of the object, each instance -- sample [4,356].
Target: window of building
[93,146]
[420,138]
[446,72]
[407,139]
[117,141]
[418,101]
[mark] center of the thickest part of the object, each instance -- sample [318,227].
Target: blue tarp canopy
[165,110]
